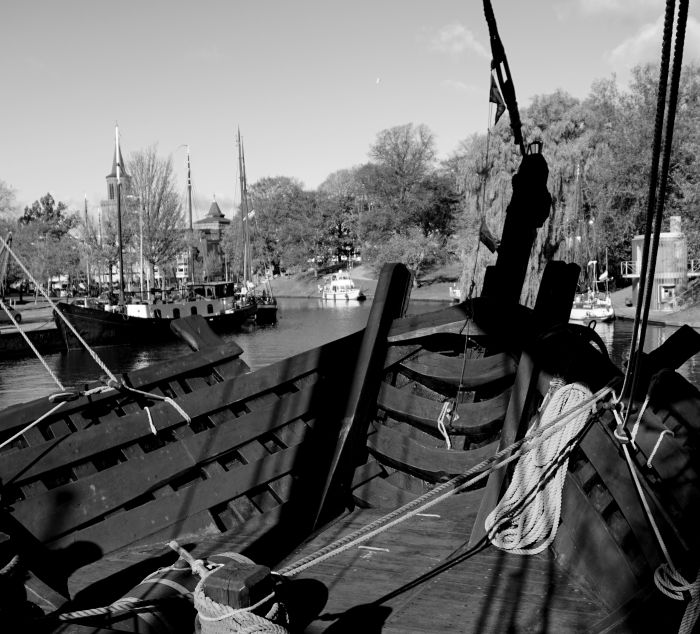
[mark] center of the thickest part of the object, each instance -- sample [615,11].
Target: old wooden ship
[392,492]
[278,463]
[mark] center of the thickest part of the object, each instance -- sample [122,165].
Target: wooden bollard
[238,584]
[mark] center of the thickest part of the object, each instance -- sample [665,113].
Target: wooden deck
[421,577]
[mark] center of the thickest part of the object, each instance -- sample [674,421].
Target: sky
[310,83]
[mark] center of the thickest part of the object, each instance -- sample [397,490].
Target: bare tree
[158,208]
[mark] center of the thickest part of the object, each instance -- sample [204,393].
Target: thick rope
[651,196]
[526,520]
[444,490]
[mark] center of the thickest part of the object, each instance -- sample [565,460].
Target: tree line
[405,205]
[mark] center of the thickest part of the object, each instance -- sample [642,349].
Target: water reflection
[303,324]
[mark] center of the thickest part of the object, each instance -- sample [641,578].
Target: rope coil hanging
[526,519]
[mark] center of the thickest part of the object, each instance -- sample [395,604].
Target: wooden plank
[79,502]
[397,354]
[432,463]
[585,546]
[390,301]
[73,448]
[475,420]
[448,320]
[196,332]
[613,471]
[135,524]
[437,369]
[17,416]
[378,493]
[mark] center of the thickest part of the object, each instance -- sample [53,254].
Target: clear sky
[309,82]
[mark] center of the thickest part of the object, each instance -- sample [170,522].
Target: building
[210,230]
[672,270]
[109,206]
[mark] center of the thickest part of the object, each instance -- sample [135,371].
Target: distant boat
[595,304]
[149,321]
[340,287]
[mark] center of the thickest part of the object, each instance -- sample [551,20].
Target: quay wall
[46,341]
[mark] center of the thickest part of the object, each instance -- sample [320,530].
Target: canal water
[303,324]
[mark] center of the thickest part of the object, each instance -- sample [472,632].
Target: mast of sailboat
[189,214]
[119,216]
[87,254]
[244,211]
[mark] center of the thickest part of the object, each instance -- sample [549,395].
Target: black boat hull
[102,328]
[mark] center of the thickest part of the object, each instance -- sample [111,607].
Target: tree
[405,155]
[340,199]
[49,217]
[413,248]
[43,240]
[7,200]
[285,225]
[154,198]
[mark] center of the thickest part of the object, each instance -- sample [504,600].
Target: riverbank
[434,284]
[689,316]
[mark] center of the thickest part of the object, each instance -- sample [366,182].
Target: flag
[495,97]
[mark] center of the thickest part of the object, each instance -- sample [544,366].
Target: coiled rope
[526,520]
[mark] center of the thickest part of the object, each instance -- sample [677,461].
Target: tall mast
[119,217]
[189,213]
[244,210]
[87,248]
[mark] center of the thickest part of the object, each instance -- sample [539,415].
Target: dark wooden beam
[390,302]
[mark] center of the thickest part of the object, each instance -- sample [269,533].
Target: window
[176,313]
[156,313]
[193,310]
[210,309]
[666,293]
[111,191]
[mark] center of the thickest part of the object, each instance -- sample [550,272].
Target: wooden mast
[189,214]
[119,217]
[244,211]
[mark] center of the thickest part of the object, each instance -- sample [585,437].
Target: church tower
[109,205]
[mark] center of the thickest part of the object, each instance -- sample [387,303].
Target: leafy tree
[437,201]
[413,248]
[49,217]
[340,197]
[403,156]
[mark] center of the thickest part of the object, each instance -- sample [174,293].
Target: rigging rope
[31,345]
[53,305]
[654,206]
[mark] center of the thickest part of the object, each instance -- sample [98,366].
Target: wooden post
[552,307]
[390,302]
[238,584]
